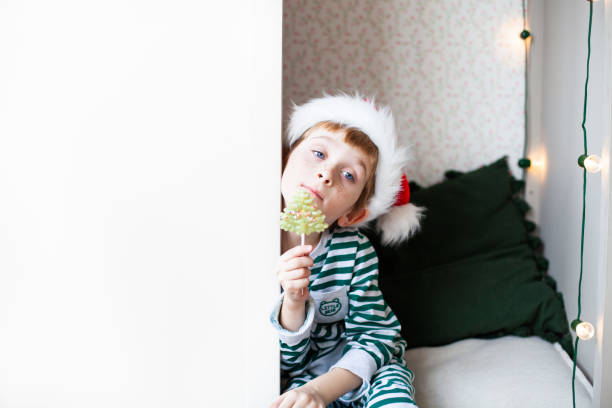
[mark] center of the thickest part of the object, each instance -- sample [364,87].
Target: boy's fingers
[276,403]
[288,401]
[296,251]
[297,283]
[295,274]
[296,263]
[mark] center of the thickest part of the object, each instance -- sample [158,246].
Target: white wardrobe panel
[139,179]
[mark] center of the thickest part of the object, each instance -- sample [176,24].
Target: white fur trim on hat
[399,223]
[377,122]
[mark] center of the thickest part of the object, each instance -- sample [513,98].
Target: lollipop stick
[302,290]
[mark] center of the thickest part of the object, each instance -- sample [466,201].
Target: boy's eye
[318,154]
[348,176]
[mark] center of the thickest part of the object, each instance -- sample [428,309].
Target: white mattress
[504,372]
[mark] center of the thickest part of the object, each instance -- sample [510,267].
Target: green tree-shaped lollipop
[301,216]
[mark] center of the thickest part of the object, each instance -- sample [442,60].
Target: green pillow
[472,270]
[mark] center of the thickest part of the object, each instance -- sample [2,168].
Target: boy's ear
[353,217]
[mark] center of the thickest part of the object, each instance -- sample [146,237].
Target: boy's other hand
[293,273]
[301,397]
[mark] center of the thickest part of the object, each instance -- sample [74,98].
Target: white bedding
[504,372]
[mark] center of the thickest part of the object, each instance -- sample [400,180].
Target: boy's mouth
[313,191]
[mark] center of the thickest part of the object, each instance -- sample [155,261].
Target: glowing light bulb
[592,163]
[585,330]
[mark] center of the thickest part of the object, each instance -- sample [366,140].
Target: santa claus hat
[397,219]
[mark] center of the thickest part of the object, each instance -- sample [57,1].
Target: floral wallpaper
[451,70]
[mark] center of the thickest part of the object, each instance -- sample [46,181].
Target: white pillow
[508,372]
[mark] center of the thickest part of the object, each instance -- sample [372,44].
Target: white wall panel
[557,84]
[139,168]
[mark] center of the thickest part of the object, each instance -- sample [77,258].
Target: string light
[584,330]
[591,163]
[524,163]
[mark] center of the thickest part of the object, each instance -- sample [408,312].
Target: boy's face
[332,171]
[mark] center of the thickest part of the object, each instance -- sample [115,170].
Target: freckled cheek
[304,164]
[286,178]
[303,169]
[353,194]
[293,173]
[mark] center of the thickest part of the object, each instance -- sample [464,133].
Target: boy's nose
[323,176]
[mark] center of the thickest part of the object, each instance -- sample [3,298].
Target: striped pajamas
[348,325]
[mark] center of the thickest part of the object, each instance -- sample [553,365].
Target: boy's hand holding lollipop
[300,217]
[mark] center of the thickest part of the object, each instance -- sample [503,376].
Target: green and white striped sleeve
[294,346]
[372,330]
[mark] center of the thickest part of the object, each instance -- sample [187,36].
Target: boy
[340,342]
